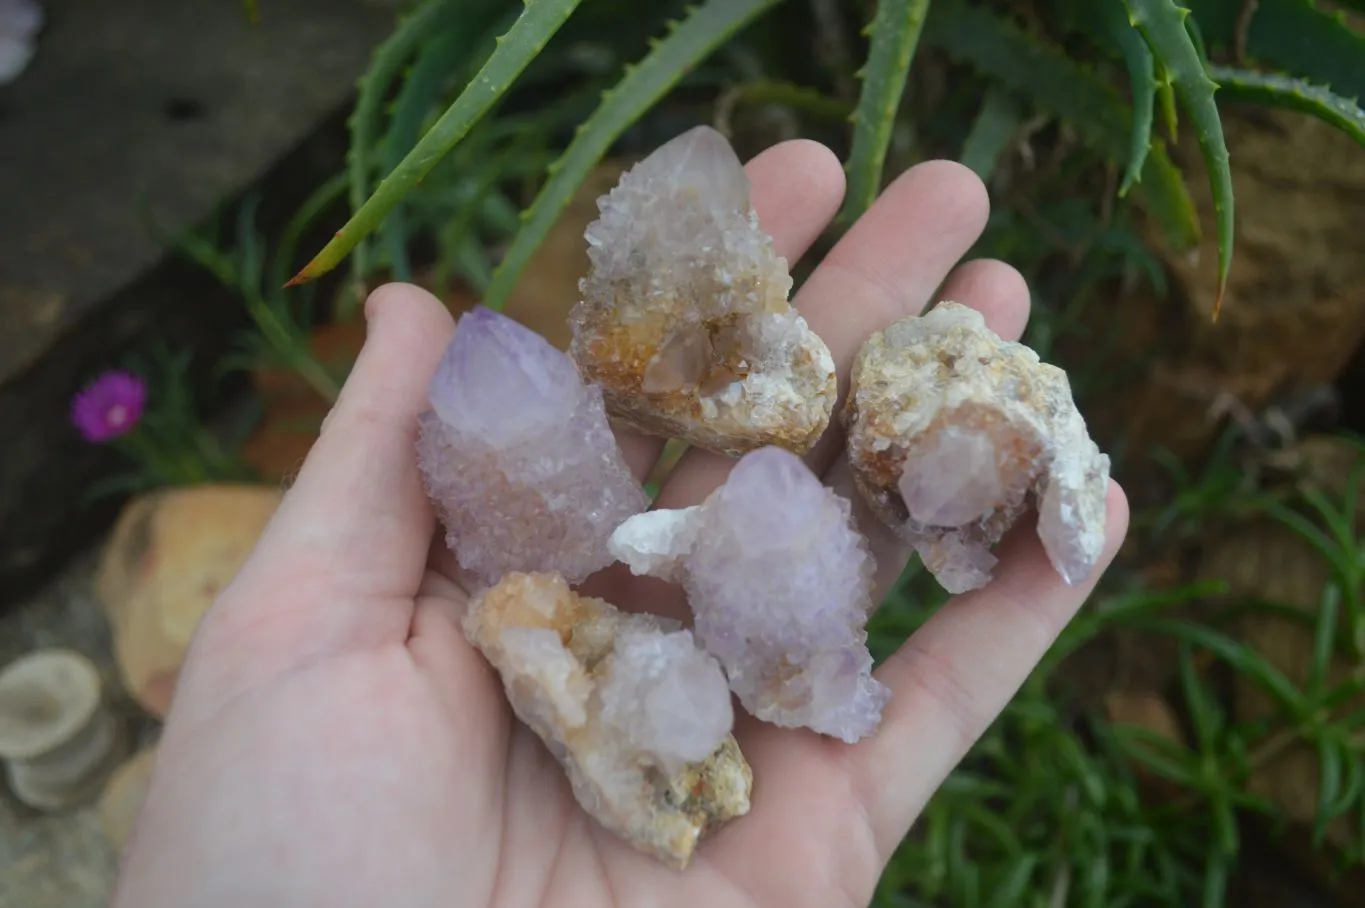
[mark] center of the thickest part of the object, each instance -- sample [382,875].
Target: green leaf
[1044,74]
[706,27]
[1324,641]
[1274,90]
[1238,655]
[995,125]
[389,59]
[515,50]
[439,58]
[1162,23]
[1329,784]
[894,32]
[1294,37]
[1137,57]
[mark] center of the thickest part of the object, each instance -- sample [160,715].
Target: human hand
[335,740]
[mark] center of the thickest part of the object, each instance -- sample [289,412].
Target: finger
[356,525]
[886,267]
[796,187]
[952,678]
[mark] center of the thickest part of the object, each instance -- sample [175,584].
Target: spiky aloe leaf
[1137,57]
[995,124]
[536,25]
[894,32]
[1053,82]
[1162,23]
[1297,37]
[1292,94]
[440,57]
[388,60]
[688,41]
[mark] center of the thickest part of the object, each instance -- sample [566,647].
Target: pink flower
[109,406]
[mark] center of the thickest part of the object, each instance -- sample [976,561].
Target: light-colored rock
[58,740]
[124,793]
[781,586]
[171,553]
[637,715]
[953,433]
[684,319]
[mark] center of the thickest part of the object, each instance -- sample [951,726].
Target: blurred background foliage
[1180,187]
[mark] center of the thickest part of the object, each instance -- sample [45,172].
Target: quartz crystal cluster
[684,319]
[781,587]
[637,715]
[953,432]
[518,456]
[684,330]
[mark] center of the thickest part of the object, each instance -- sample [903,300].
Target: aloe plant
[893,34]
[1162,24]
[515,51]
[1315,61]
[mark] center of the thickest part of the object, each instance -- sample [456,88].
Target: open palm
[335,741]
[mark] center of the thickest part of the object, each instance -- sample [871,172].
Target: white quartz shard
[684,319]
[780,585]
[518,456]
[953,433]
[637,715]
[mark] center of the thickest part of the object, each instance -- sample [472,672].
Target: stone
[124,793]
[518,456]
[684,318]
[637,715]
[780,584]
[953,433]
[20,22]
[171,553]
[58,739]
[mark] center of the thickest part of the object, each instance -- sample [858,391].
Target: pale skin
[335,741]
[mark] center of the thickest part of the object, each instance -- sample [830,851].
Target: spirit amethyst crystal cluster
[778,578]
[518,455]
[953,432]
[684,330]
[684,319]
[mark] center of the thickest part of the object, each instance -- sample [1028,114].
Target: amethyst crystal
[518,456]
[781,587]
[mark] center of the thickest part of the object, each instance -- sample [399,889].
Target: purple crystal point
[501,380]
[518,457]
[780,584]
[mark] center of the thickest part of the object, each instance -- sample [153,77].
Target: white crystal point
[668,697]
[953,432]
[1071,512]
[518,456]
[780,585]
[953,482]
[500,380]
[700,161]
[684,319]
[654,543]
[637,715]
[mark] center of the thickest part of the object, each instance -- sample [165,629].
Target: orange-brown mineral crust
[637,715]
[953,433]
[684,319]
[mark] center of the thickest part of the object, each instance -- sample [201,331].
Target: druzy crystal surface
[637,715]
[684,319]
[953,433]
[518,456]
[780,586]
